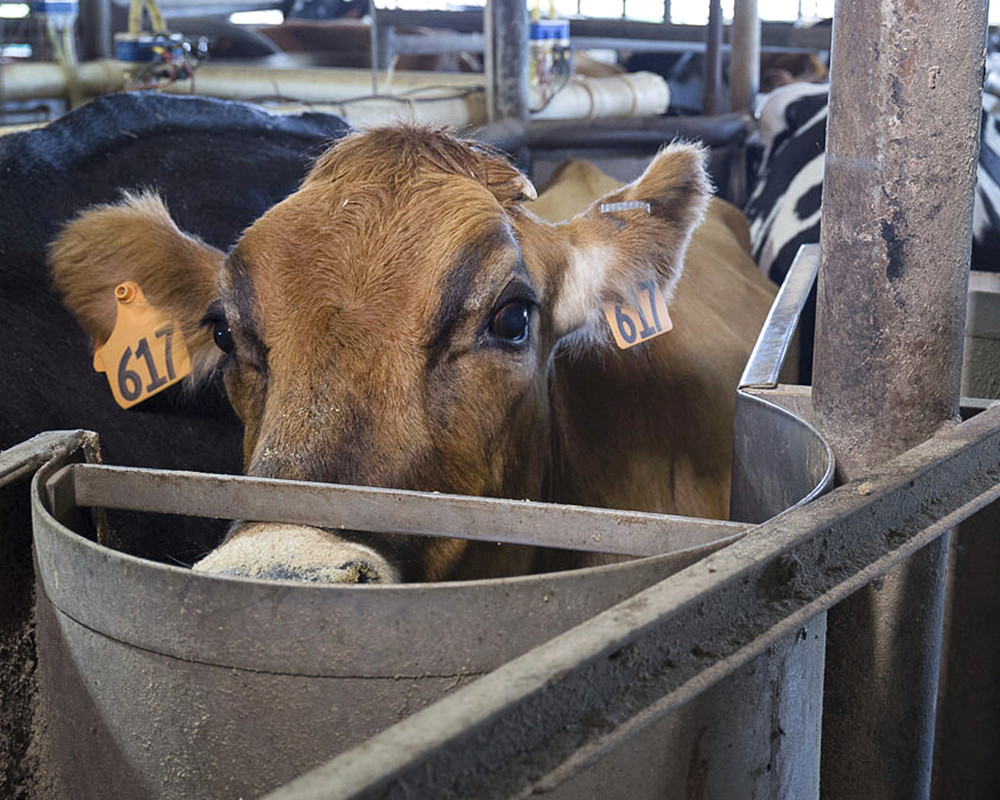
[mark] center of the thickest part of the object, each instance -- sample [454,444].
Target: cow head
[389,324]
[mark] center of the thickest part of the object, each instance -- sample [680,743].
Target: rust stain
[697,776]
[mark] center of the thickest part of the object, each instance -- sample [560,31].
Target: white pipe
[634,94]
[426,97]
[315,85]
[468,110]
[36,80]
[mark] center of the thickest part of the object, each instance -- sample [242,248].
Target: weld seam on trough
[233,668]
[526,720]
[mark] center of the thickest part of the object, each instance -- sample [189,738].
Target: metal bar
[373,35]
[411,44]
[744,64]
[744,81]
[777,34]
[902,143]
[27,457]
[386,511]
[550,713]
[666,45]
[507,63]
[95,30]
[711,100]
[776,336]
[639,133]
[650,132]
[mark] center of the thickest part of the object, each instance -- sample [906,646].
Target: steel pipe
[744,63]
[897,212]
[711,101]
[505,59]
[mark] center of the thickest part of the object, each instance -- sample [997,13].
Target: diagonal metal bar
[548,714]
[387,511]
[768,356]
[24,459]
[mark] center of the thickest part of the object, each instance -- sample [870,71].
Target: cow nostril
[362,571]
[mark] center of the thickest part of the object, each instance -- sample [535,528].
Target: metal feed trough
[156,681]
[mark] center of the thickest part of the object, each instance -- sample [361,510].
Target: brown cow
[403,321]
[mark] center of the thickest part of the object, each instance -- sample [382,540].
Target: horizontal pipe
[636,94]
[423,97]
[317,84]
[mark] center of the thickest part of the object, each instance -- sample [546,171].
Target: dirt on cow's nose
[296,553]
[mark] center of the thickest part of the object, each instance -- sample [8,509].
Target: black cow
[219,165]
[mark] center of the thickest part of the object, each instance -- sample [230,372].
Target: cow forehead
[364,261]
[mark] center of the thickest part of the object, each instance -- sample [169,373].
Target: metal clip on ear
[627,205]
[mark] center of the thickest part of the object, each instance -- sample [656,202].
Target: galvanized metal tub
[158,682]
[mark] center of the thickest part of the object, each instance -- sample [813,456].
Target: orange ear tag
[146,352]
[647,319]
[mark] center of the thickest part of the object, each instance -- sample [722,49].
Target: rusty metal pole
[902,145]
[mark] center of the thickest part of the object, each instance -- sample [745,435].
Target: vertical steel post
[505,57]
[744,81]
[712,96]
[95,30]
[373,39]
[902,144]
[744,59]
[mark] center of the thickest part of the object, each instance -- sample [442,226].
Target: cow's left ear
[507,183]
[136,240]
[636,234]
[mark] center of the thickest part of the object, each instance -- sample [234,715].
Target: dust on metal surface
[551,712]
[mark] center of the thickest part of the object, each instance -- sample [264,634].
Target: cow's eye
[510,322]
[222,335]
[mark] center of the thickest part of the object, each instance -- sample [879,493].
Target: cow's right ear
[136,240]
[634,237]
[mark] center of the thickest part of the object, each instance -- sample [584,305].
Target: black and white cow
[784,206]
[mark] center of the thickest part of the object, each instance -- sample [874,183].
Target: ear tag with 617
[145,353]
[648,318]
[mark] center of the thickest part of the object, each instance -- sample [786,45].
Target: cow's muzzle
[297,553]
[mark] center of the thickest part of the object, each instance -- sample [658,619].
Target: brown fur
[361,309]
[133,240]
